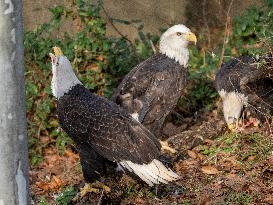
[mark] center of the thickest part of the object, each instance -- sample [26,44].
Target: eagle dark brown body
[152,90]
[232,72]
[103,132]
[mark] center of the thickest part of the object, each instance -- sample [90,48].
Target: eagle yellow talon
[88,189]
[91,188]
[100,185]
[165,146]
[231,127]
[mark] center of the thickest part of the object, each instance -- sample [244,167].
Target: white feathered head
[174,43]
[64,77]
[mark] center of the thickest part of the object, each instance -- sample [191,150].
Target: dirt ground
[215,165]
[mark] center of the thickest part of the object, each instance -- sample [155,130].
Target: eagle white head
[64,77]
[233,103]
[174,43]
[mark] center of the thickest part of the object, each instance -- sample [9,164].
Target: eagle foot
[95,187]
[165,146]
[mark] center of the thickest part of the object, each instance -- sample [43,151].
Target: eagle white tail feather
[137,172]
[152,173]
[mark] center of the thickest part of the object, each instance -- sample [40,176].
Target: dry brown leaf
[55,183]
[186,164]
[209,170]
[44,140]
[70,154]
[250,158]
[201,156]
[100,58]
[43,185]
[191,154]
[269,199]
[93,67]
[209,142]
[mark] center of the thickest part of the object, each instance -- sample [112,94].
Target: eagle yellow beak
[191,37]
[57,51]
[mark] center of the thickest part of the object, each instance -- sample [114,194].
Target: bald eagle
[102,131]
[245,81]
[151,90]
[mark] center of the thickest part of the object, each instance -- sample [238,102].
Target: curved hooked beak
[191,37]
[58,52]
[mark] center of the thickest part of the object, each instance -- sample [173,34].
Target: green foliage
[66,196]
[238,198]
[253,31]
[185,202]
[243,145]
[42,201]
[99,61]
[201,93]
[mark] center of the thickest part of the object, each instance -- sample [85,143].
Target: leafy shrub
[252,33]
[66,196]
[99,62]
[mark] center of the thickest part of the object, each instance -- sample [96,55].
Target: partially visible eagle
[245,81]
[104,132]
[151,90]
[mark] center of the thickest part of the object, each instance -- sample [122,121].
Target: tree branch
[227,34]
[115,28]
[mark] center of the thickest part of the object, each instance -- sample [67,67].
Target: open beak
[58,52]
[191,37]
[53,58]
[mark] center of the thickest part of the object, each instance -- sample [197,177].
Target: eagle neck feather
[63,81]
[180,55]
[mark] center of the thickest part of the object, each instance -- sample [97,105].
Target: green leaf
[66,196]
[31,89]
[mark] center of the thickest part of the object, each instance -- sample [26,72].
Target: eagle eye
[178,33]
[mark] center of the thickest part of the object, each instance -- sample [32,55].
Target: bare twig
[206,21]
[153,46]
[227,34]
[99,202]
[113,25]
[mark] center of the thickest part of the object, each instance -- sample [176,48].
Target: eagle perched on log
[102,131]
[151,90]
[245,81]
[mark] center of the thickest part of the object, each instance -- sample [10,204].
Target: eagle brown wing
[152,89]
[103,125]
[258,85]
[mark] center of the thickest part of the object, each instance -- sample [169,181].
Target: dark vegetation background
[101,61]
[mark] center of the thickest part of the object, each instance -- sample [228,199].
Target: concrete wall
[155,14]
[36,12]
